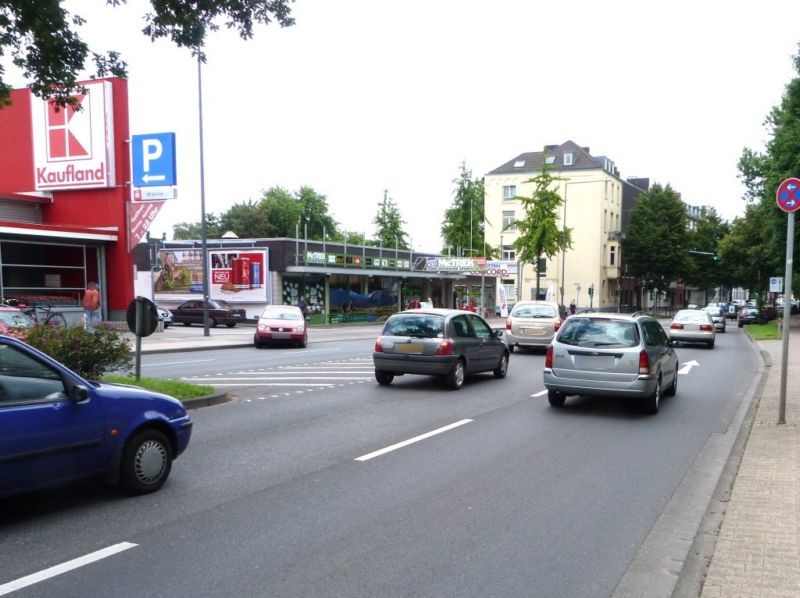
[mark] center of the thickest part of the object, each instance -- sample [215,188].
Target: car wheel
[231,325]
[146,462]
[455,379]
[673,388]
[186,323]
[502,367]
[651,402]
[511,348]
[555,398]
[384,378]
[212,322]
[740,325]
[710,344]
[303,343]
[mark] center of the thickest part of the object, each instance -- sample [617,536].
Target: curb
[207,401]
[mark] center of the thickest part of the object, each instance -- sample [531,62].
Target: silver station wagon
[609,354]
[439,342]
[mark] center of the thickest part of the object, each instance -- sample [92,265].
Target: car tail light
[446,348]
[378,346]
[548,360]
[706,327]
[556,324]
[675,326]
[508,324]
[644,362]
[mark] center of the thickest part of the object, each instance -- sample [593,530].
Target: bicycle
[42,313]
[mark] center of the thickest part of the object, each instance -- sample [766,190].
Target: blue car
[56,427]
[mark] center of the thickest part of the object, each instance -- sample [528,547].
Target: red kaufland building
[66,211]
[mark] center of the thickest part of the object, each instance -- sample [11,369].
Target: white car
[165,316]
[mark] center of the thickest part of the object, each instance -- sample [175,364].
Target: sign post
[788,198]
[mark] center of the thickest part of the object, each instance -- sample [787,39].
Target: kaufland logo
[73,145]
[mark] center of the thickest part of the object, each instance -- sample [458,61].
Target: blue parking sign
[153,160]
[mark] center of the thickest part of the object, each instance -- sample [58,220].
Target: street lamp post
[203,229]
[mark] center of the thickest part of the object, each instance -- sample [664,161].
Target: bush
[88,354]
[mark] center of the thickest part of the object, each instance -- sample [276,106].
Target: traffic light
[591,290]
[715,257]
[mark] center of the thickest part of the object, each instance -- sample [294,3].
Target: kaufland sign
[73,147]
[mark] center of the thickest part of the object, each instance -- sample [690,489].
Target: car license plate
[280,335]
[594,362]
[533,331]
[408,348]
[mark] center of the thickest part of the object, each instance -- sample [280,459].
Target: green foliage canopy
[463,223]
[43,38]
[389,224]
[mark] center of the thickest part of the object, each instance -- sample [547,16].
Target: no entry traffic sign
[788,195]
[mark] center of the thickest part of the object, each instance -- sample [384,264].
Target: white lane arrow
[688,366]
[153,177]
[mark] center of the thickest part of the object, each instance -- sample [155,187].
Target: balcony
[611,272]
[616,235]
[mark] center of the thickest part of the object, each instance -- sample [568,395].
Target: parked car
[219,312]
[56,427]
[717,314]
[164,315]
[693,326]
[509,308]
[732,311]
[281,324]
[12,317]
[533,324]
[609,354]
[747,315]
[440,342]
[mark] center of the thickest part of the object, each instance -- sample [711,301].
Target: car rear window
[421,325]
[691,316]
[533,311]
[598,332]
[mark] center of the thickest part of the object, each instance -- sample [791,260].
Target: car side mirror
[78,393]
[499,332]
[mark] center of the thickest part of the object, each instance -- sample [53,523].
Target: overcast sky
[365,95]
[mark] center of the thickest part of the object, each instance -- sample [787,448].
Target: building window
[569,157]
[519,163]
[508,220]
[509,255]
[550,160]
[542,267]
[612,255]
[509,192]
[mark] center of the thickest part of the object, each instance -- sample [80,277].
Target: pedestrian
[302,305]
[572,308]
[91,305]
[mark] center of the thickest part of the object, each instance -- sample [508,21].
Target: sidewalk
[757,551]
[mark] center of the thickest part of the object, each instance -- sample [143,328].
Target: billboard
[236,275]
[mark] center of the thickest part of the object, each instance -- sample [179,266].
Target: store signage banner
[73,147]
[318,258]
[140,217]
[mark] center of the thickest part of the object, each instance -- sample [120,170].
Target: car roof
[437,311]
[611,315]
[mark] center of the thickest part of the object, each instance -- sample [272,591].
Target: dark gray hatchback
[438,342]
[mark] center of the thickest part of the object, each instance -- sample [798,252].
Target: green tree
[657,243]
[744,252]
[248,220]
[463,223]
[705,271]
[191,230]
[538,232]
[315,214]
[43,38]
[763,172]
[389,224]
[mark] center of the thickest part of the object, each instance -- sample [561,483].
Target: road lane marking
[150,365]
[306,384]
[276,378]
[394,447]
[29,580]
[540,393]
[687,367]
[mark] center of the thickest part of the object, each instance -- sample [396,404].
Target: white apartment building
[597,204]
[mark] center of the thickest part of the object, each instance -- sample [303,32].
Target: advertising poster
[236,275]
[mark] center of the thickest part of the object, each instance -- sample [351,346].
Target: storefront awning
[28,231]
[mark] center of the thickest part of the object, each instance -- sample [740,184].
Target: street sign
[788,195]
[153,160]
[775,284]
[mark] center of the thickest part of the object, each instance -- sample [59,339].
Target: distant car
[692,306]
[497,310]
[693,326]
[281,324]
[614,355]
[11,317]
[747,315]
[219,312]
[56,427]
[717,314]
[164,315]
[732,311]
[532,324]
[438,342]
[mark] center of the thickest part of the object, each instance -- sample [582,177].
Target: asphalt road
[281,492]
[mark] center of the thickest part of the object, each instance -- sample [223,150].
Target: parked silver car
[440,342]
[693,326]
[608,354]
